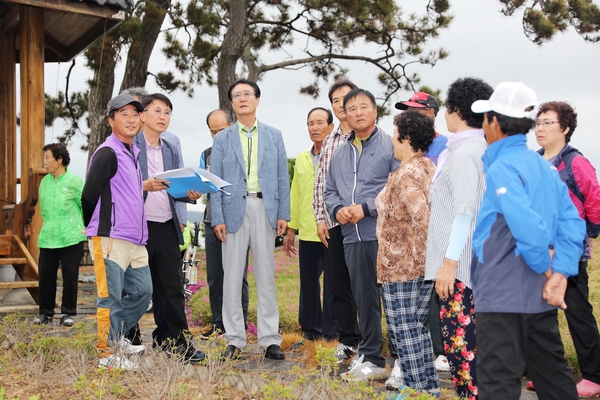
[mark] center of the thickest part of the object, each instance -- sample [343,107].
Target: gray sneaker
[343,352]
[361,370]
[66,320]
[395,381]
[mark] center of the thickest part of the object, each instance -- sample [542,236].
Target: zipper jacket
[525,212]
[60,207]
[357,178]
[112,200]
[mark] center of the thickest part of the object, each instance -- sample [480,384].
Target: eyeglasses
[545,122]
[246,95]
[158,112]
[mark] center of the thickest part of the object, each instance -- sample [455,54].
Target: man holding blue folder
[164,230]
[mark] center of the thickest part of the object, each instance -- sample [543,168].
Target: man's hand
[221,232]
[343,216]
[182,226]
[446,277]
[357,213]
[554,290]
[323,233]
[193,195]
[288,243]
[155,185]
[281,226]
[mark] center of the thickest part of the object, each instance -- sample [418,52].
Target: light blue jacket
[525,211]
[227,162]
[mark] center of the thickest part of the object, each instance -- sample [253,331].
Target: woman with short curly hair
[402,218]
[456,193]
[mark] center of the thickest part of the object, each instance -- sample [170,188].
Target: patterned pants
[458,332]
[406,311]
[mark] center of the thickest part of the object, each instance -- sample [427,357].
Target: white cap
[512,99]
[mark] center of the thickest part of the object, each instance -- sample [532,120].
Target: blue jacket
[355,179]
[525,211]
[171,160]
[227,162]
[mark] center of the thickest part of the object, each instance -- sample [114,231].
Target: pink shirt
[157,204]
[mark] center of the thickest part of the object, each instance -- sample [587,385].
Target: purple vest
[127,219]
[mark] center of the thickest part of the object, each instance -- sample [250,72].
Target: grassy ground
[41,363]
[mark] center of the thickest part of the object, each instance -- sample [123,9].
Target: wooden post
[32,105]
[8,119]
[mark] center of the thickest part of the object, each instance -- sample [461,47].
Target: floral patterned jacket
[403,218]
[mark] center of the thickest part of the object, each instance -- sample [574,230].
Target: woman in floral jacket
[403,216]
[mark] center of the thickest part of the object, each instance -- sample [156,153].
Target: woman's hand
[444,282]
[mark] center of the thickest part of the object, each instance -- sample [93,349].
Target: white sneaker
[343,352]
[395,381]
[119,362]
[364,371]
[124,345]
[441,364]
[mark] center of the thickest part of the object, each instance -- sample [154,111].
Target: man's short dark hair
[416,127]
[227,116]
[340,83]
[329,114]
[567,117]
[510,125]
[354,93]
[240,82]
[156,96]
[59,150]
[462,93]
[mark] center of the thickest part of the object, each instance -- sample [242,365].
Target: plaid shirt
[331,142]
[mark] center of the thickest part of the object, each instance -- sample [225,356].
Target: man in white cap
[527,242]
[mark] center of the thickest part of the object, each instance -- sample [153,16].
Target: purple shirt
[157,204]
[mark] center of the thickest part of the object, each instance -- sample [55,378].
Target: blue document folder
[184,179]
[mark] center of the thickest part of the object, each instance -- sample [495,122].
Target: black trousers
[316,321]
[435,328]
[345,306]
[510,343]
[582,324]
[69,258]
[164,259]
[214,278]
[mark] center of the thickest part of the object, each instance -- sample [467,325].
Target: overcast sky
[482,43]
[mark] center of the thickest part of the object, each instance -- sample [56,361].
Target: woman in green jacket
[61,238]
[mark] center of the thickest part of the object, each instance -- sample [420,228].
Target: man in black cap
[428,105]
[115,220]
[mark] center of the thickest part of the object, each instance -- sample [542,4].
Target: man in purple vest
[113,213]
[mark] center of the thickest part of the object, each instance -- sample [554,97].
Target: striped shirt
[457,189]
[330,144]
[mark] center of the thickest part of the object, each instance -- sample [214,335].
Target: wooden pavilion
[34,32]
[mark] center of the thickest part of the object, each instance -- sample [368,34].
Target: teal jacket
[301,198]
[60,206]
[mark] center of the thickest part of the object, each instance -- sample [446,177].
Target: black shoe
[188,353]
[66,320]
[274,352]
[231,353]
[297,346]
[42,320]
[213,331]
[134,335]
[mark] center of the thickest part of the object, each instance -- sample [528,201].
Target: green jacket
[302,216]
[60,205]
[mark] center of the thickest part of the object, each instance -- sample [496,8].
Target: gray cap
[120,101]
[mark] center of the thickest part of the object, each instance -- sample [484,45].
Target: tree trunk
[136,67]
[231,50]
[101,89]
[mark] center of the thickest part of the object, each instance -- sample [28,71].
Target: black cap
[120,101]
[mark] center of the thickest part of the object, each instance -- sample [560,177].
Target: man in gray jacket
[359,170]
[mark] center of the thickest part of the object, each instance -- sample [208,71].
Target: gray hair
[137,92]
